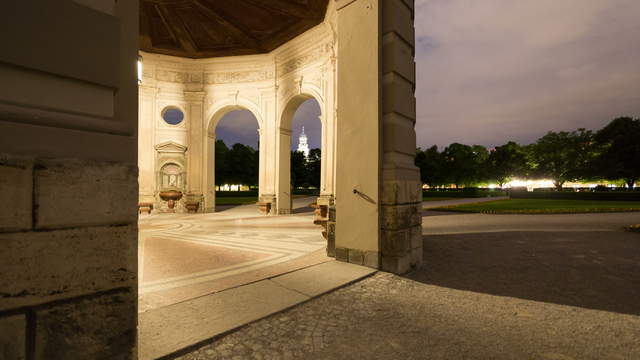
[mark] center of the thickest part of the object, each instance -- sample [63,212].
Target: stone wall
[68,180]
[68,279]
[401,198]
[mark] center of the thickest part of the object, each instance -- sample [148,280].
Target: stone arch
[216,113]
[291,103]
[293,100]
[221,108]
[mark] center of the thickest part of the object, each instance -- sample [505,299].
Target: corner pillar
[378,198]
[283,171]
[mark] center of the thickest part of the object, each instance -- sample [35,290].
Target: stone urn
[171,196]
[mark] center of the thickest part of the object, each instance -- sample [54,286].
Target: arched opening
[233,159]
[300,155]
[306,152]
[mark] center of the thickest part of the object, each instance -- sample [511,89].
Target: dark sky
[491,71]
[241,126]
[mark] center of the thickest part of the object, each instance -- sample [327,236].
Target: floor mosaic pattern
[187,256]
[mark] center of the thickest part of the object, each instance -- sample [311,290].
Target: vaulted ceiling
[213,28]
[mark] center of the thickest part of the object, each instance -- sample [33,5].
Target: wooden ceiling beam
[178,30]
[232,29]
[145,32]
[287,8]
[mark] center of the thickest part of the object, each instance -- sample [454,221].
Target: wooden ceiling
[214,28]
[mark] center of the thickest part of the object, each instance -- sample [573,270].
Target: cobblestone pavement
[562,287]
[391,317]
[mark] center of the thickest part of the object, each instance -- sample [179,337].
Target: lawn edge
[536,212]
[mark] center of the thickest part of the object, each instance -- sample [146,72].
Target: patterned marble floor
[184,256]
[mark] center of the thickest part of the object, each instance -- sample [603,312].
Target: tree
[240,166]
[432,166]
[313,168]
[464,163]
[563,156]
[619,144]
[298,170]
[222,173]
[506,162]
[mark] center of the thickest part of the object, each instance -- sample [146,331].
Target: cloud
[497,70]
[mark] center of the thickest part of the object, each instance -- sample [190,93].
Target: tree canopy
[612,153]
[240,165]
[619,145]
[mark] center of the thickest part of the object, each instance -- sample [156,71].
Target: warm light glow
[546,183]
[232,187]
[139,69]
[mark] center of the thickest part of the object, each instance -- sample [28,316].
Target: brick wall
[68,264]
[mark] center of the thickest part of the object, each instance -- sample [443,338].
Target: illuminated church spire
[302,143]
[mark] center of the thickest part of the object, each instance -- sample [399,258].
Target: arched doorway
[234,130]
[306,153]
[300,110]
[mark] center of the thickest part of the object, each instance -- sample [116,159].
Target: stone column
[209,167]
[358,135]
[196,148]
[378,214]
[283,172]
[146,151]
[268,147]
[401,198]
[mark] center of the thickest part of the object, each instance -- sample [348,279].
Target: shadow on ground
[597,270]
[304,209]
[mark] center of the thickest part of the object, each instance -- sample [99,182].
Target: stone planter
[145,207]
[171,196]
[192,206]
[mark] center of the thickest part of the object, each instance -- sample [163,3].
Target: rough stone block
[356,256]
[398,96]
[342,254]
[42,266]
[395,217]
[417,255]
[102,327]
[415,234]
[13,336]
[76,193]
[398,17]
[398,57]
[395,242]
[16,183]
[396,264]
[399,136]
[372,259]
[401,192]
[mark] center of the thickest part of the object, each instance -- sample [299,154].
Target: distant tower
[302,143]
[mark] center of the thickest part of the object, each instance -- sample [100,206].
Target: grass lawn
[542,206]
[240,200]
[437,198]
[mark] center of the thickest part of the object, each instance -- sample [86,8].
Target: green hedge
[581,195]
[462,193]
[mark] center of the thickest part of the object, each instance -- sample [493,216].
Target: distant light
[139,69]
